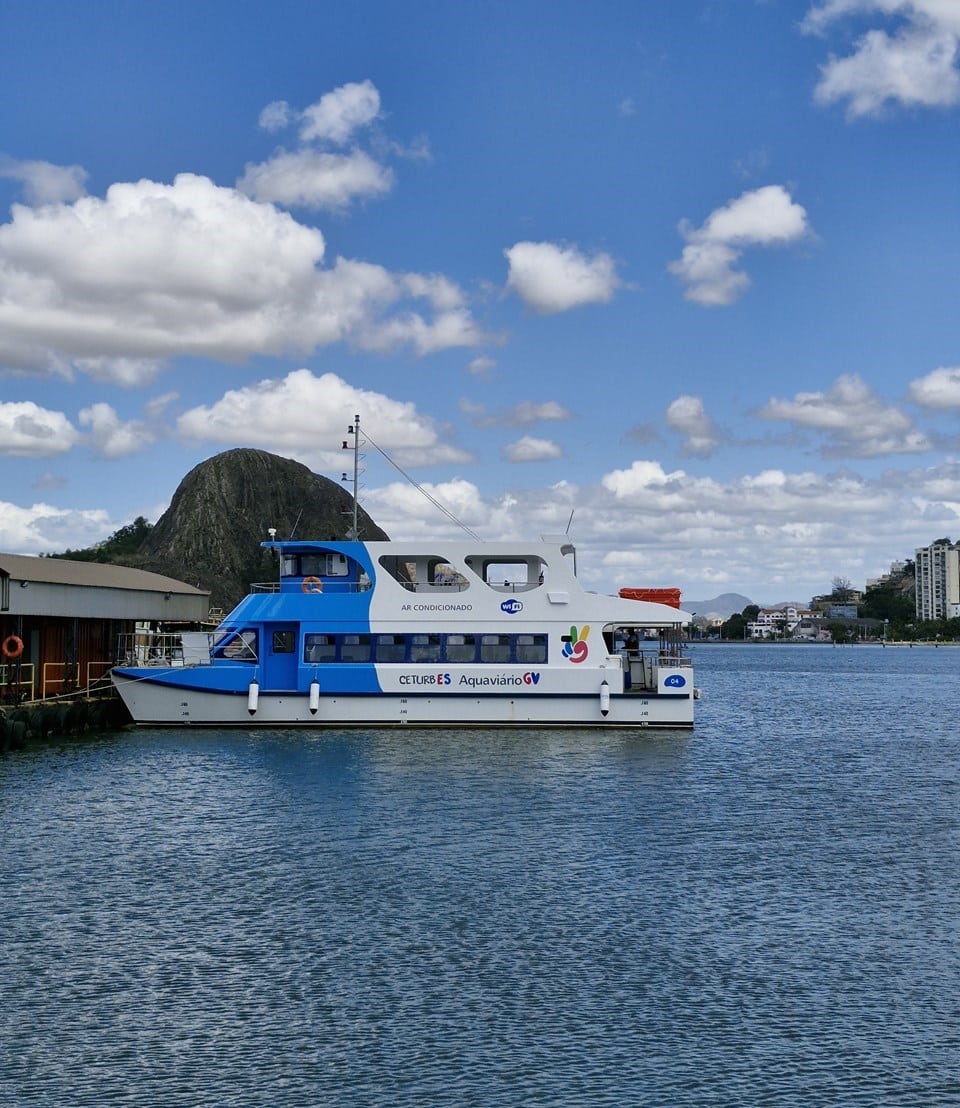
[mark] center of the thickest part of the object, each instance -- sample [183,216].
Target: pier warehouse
[60,620]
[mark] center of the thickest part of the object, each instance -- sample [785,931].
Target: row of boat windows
[318,649]
[425,648]
[423,572]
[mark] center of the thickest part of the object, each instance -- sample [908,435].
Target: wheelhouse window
[328,564]
[423,573]
[508,574]
[312,565]
[238,646]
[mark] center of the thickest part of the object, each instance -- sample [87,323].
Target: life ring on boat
[312,584]
[12,647]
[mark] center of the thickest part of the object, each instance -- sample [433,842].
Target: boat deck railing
[295,586]
[435,586]
[641,667]
[164,648]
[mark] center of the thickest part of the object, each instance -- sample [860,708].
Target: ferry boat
[421,634]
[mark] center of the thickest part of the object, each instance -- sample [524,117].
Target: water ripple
[764,912]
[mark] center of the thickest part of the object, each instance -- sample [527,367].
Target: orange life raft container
[659,596]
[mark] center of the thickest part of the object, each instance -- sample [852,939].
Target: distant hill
[210,535]
[720,607]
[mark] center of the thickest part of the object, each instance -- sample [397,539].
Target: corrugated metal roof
[61,571]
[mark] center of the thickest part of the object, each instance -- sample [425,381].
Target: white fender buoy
[314,697]
[604,698]
[253,697]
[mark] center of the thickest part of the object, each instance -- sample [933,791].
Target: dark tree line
[123,543]
[736,626]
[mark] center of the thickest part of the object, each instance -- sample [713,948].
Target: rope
[433,500]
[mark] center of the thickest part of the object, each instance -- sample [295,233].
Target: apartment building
[938,581]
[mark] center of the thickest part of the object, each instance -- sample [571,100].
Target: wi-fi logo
[511,607]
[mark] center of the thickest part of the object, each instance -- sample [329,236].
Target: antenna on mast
[569,521]
[354,430]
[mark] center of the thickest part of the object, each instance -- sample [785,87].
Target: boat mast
[354,430]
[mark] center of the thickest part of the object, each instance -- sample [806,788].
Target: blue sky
[687,270]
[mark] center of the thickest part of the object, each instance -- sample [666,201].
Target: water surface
[761,912]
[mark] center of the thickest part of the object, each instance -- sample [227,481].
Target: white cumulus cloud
[549,278]
[914,64]
[312,176]
[641,477]
[276,115]
[126,372]
[688,417]
[938,389]
[316,179]
[45,529]
[774,527]
[431,511]
[45,183]
[481,366]
[305,416]
[337,115]
[153,271]
[763,217]
[530,449]
[856,423]
[112,437]
[29,431]
[523,413]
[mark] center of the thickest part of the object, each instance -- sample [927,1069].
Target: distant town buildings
[788,622]
[897,570]
[930,584]
[937,569]
[832,608]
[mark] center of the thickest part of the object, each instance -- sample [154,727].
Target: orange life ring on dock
[12,647]
[312,584]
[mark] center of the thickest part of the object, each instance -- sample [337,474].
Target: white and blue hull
[382,634]
[157,704]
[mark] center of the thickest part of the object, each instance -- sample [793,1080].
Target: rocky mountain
[210,535]
[720,607]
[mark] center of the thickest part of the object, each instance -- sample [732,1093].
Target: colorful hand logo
[576,649]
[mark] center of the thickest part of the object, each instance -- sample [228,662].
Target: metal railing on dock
[18,683]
